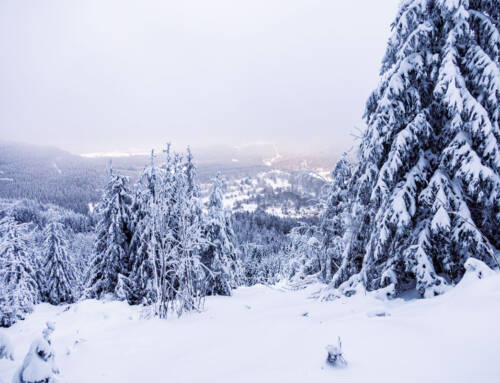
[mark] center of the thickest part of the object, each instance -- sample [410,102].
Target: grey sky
[100,75]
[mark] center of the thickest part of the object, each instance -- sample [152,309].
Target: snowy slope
[263,334]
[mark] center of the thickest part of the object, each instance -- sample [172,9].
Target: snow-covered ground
[271,334]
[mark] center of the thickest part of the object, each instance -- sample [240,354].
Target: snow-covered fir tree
[110,255]
[306,260]
[190,171]
[334,219]
[220,254]
[183,274]
[59,269]
[144,247]
[166,269]
[18,288]
[426,193]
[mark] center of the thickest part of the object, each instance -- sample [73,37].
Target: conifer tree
[18,288]
[426,192]
[306,260]
[144,247]
[183,276]
[166,270]
[59,269]
[190,171]
[220,253]
[317,250]
[110,256]
[333,220]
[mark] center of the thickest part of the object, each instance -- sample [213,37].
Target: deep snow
[271,334]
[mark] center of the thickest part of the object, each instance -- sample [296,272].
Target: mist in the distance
[123,75]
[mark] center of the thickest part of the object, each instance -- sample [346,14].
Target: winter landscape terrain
[269,334]
[303,257]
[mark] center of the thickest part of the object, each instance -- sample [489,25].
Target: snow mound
[474,270]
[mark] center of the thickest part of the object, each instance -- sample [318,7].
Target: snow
[262,335]
[277,156]
[441,220]
[475,270]
[450,4]
[275,179]
[58,170]
[250,207]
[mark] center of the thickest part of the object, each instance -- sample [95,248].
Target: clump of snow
[441,220]
[474,270]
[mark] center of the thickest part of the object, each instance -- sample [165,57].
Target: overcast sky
[102,75]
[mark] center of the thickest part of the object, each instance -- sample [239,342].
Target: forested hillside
[75,182]
[153,241]
[49,175]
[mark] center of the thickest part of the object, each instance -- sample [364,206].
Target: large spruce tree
[426,193]
[145,243]
[110,257]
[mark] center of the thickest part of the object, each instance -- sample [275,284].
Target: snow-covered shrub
[480,269]
[6,349]
[352,286]
[304,255]
[335,357]
[39,364]
[475,270]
